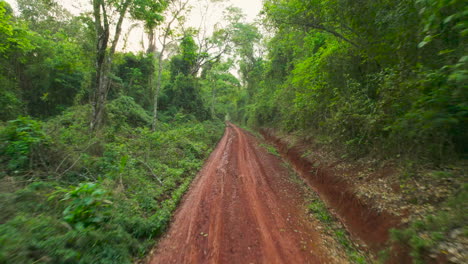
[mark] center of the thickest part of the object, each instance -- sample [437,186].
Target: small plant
[319,210]
[87,202]
[424,235]
[270,149]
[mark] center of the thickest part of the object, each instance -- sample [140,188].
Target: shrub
[124,110]
[19,139]
[86,204]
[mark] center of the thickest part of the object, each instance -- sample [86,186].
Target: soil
[243,208]
[361,219]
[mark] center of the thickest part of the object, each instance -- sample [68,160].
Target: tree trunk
[151,52]
[101,26]
[213,96]
[158,88]
[166,31]
[103,58]
[100,96]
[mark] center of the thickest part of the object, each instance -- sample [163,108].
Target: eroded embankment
[363,221]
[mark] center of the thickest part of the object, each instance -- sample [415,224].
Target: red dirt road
[241,208]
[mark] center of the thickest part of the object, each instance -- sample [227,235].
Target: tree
[15,43]
[175,13]
[149,10]
[221,88]
[183,90]
[310,14]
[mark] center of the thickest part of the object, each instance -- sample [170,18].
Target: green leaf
[426,40]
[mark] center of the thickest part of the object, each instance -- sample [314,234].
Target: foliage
[271,149]
[13,36]
[19,139]
[125,111]
[57,69]
[86,201]
[319,210]
[14,43]
[109,200]
[183,90]
[70,195]
[391,81]
[132,74]
[38,67]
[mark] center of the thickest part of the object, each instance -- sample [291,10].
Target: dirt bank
[363,221]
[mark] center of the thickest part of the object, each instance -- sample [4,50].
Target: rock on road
[241,208]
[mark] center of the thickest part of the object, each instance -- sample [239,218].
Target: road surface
[242,208]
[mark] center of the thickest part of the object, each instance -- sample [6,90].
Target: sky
[251,8]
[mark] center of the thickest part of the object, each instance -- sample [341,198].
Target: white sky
[251,7]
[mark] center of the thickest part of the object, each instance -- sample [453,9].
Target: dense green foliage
[390,80]
[183,89]
[72,197]
[38,67]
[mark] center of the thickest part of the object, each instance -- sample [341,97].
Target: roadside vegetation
[68,196]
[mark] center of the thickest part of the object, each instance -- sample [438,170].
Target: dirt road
[241,208]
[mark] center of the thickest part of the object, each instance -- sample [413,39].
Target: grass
[318,209]
[271,149]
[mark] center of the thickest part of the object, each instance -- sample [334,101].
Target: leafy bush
[124,110]
[319,210]
[19,139]
[87,203]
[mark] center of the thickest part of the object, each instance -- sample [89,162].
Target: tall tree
[175,12]
[148,10]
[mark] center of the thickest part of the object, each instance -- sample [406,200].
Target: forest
[99,140]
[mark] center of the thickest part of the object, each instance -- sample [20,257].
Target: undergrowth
[437,233]
[68,196]
[319,210]
[271,149]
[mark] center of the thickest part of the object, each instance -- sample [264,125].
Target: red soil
[241,208]
[360,219]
